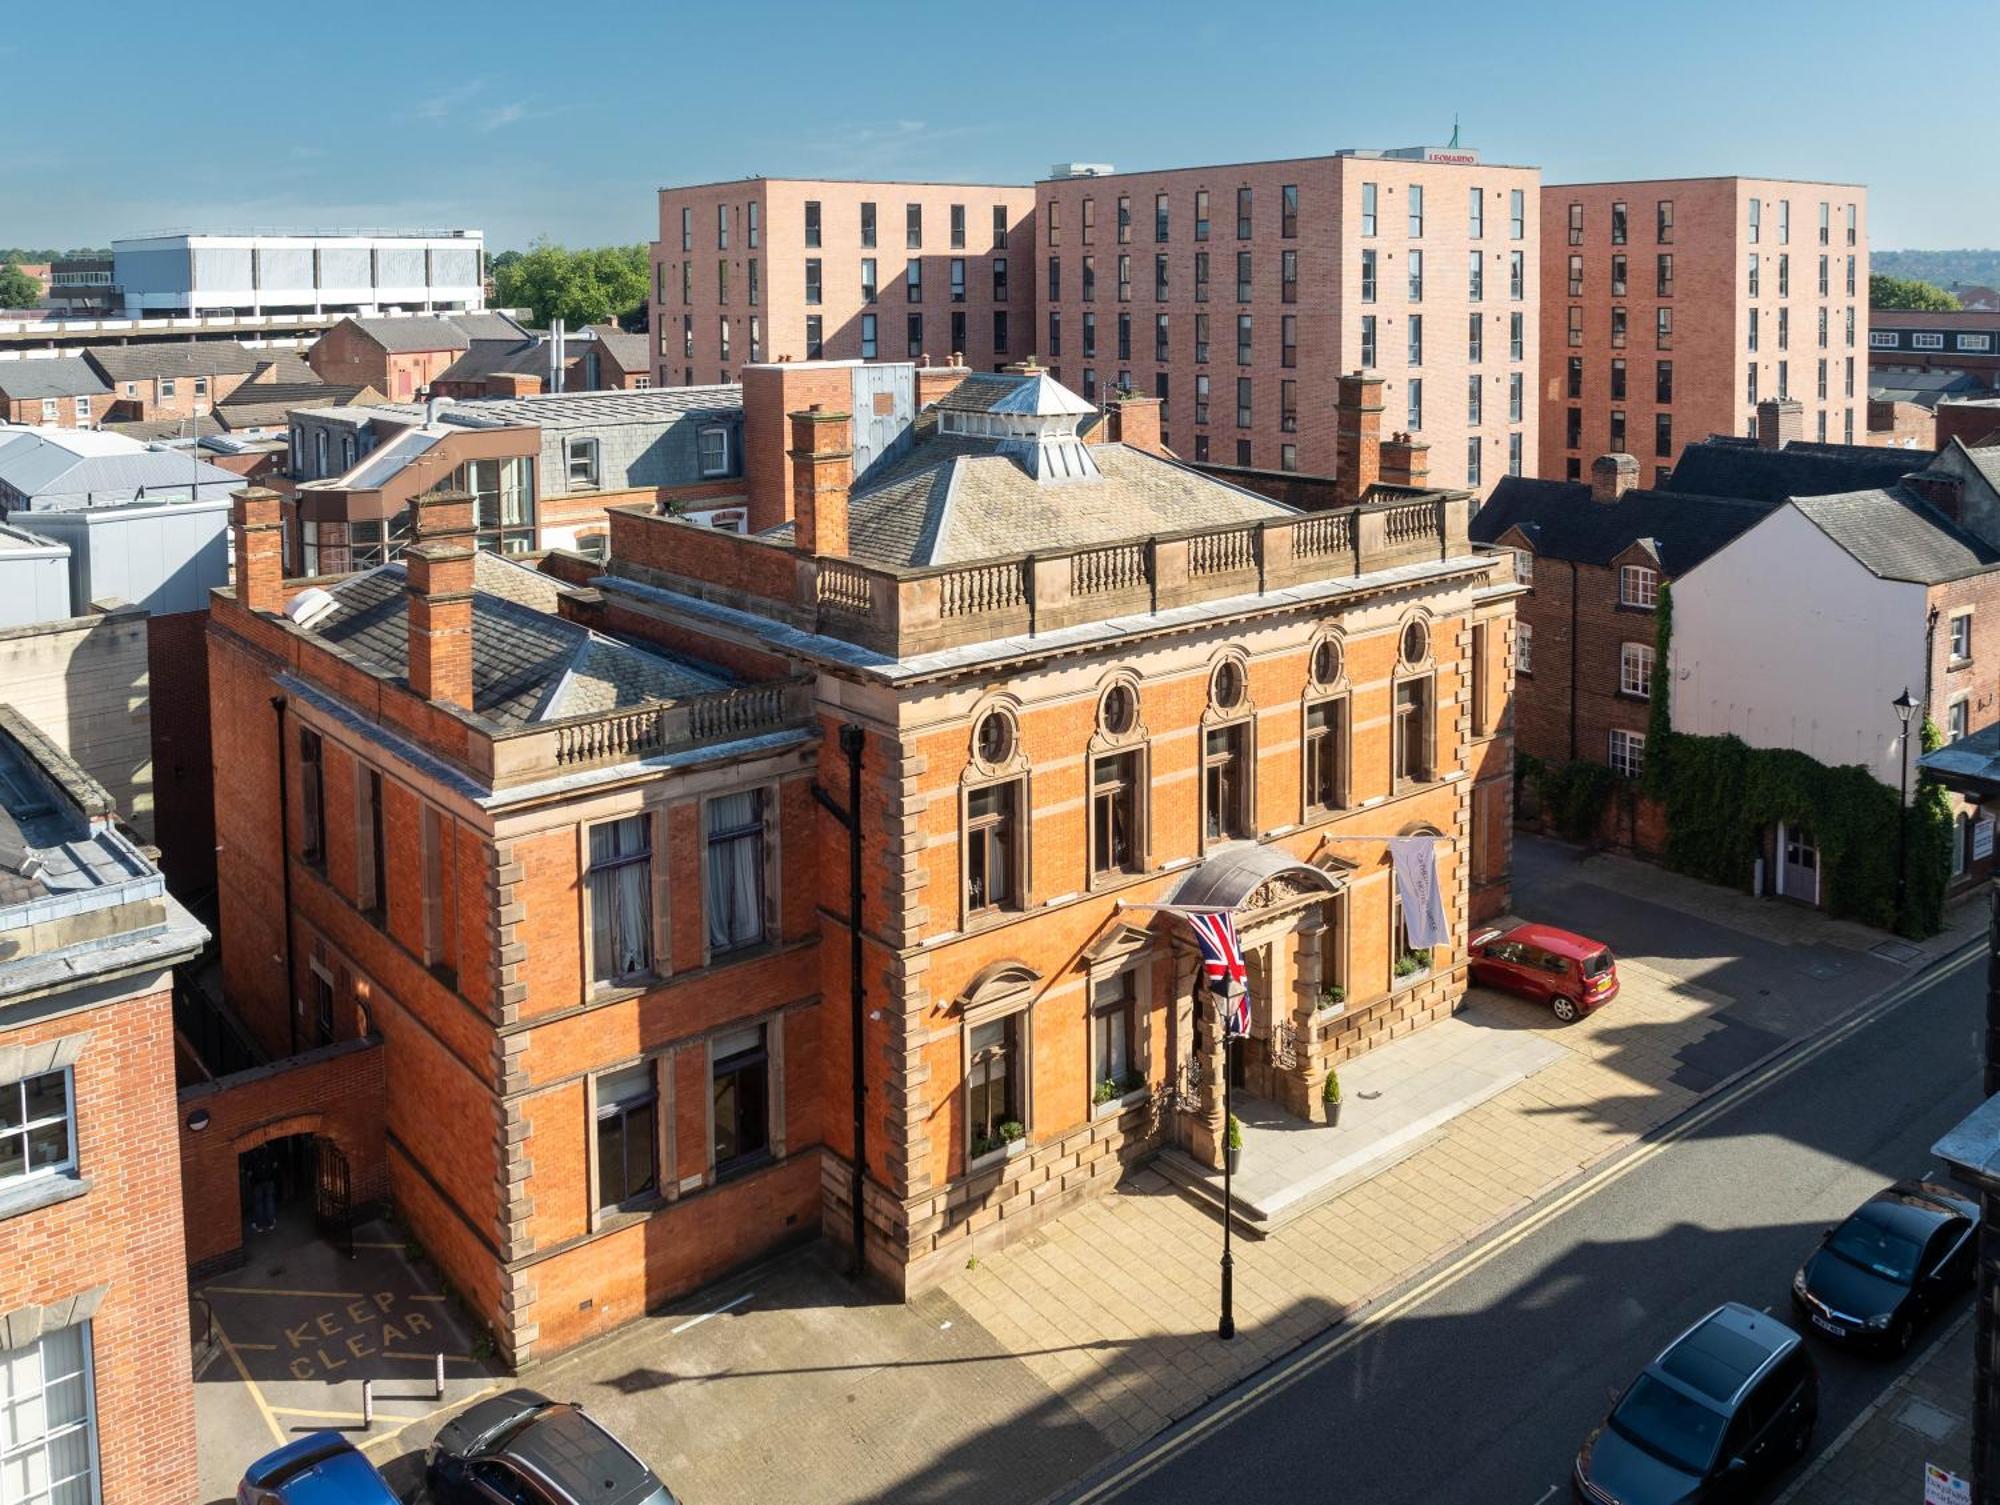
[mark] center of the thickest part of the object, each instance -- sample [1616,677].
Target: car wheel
[1563,1008]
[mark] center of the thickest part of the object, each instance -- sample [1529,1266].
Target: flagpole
[1226,1328]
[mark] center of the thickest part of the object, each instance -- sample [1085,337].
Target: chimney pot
[822,457]
[438,574]
[1358,440]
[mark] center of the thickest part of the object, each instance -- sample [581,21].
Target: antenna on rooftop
[1454,130]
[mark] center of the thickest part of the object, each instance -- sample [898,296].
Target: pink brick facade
[735,257]
[1307,232]
[1687,245]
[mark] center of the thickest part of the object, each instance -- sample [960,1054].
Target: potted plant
[1330,1097]
[1013,1131]
[1332,997]
[1410,963]
[1233,1143]
[1104,1092]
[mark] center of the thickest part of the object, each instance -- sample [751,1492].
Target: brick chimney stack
[1942,490]
[1405,461]
[1358,442]
[1611,476]
[259,537]
[439,570]
[1780,421]
[822,456]
[1135,420]
[934,382]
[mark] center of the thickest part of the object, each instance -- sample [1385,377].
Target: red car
[1570,974]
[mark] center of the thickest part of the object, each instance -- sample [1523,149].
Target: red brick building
[1672,307]
[586,895]
[95,1379]
[1238,293]
[63,390]
[790,269]
[399,357]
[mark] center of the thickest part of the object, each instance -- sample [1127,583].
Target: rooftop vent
[309,605]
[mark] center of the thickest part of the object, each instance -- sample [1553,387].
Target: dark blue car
[323,1469]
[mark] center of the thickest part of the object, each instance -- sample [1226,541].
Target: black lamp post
[1226,1328]
[1904,707]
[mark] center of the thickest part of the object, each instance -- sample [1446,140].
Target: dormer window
[714,442]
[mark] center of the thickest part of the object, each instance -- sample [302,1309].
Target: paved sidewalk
[1029,1366]
[1924,1418]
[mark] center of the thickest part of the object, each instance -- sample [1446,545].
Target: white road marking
[697,1321]
[1545,1495]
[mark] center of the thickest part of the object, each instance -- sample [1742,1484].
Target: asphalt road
[1481,1390]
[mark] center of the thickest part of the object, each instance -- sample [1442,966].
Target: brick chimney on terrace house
[822,456]
[1780,421]
[1358,439]
[438,571]
[1611,476]
[258,536]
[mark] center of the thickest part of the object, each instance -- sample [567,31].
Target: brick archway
[282,1128]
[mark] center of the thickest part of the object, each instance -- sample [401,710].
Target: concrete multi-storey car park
[1671,307]
[186,274]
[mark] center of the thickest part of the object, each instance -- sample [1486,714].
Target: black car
[520,1448]
[1730,1403]
[1902,1255]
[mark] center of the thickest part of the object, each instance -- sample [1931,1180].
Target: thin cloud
[444,106]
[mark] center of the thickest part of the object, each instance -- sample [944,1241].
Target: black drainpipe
[285,873]
[852,740]
[1575,594]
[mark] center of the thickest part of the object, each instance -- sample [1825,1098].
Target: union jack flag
[1222,963]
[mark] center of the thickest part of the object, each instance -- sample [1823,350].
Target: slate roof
[266,404]
[1737,467]
[158,358]
[484,358]
[1896,537]
[438,331]
[953,499]
[1924,388]
[628,350]
[979,392]
[557,410]
[1563,521]
[58,376]
[529,665]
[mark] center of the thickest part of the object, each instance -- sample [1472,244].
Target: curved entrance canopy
[1225,880]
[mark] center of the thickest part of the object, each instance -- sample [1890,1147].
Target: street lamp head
[1904,707]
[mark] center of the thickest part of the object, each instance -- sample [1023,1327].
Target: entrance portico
[1287,916]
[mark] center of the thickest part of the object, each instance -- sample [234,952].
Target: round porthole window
[1416,641]
[994,738]
[1228,685]
[1326,662]
[1120,712]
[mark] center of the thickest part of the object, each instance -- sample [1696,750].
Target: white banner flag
[1415,859]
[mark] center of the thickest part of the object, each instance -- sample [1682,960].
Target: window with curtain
[627,1138]
[621,885]
[742,1085]
[735,870]
[48,1451]
[1114,1068]
[991,1101]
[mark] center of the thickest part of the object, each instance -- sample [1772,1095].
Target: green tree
[1908,292]
[17,288]
[589,286]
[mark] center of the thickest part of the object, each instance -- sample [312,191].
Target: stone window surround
[1002,990]
[653,813]
[662,1062]
[1213,718]
[1127,949]
[979,774]
[17,1064]
[773,871]
[24,1326]
[1106,744]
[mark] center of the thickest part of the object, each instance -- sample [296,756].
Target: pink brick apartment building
[1671,307]
[773,269]
[1238,294]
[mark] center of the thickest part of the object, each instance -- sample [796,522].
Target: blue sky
[561,119]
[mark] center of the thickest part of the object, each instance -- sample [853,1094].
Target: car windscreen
[1597,965]
[1668,1424]
[1876,1249]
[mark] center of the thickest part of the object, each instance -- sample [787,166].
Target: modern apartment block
[1672,307]
[1238,294]
[774,269]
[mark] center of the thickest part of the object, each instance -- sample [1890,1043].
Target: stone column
[1308,1075]
[1205,1128]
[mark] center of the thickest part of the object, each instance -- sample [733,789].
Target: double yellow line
[1614,1170]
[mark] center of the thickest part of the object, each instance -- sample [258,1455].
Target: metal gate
[333,1206]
